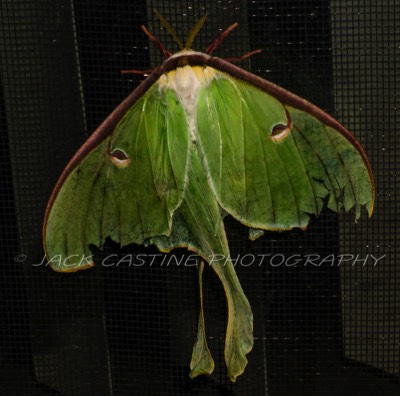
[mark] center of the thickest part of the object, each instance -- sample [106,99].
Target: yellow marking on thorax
[186,76]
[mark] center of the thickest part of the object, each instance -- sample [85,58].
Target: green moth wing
[124,185]
[272,165]
[200,138]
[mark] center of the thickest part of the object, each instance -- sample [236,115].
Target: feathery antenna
[170,29]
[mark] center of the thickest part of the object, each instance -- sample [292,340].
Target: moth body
[186,82]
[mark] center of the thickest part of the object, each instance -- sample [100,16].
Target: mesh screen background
[129,330]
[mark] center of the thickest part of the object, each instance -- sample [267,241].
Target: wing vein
[333,191]
[265,165]
[344,167]
[142,112]
[307,173]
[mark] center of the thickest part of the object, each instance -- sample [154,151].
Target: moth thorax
[186,82]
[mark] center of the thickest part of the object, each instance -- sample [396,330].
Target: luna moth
[199,139]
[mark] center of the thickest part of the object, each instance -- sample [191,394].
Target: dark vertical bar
[16,366]
[365,58]
[45,123]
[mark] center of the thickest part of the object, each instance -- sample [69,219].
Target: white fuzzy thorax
[187,81]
